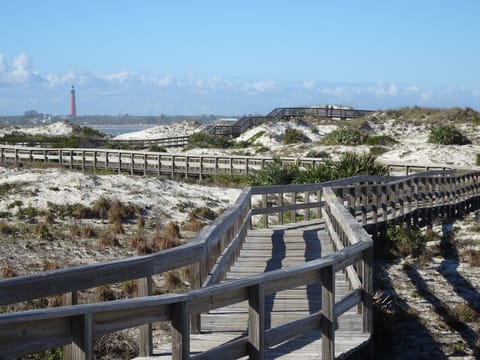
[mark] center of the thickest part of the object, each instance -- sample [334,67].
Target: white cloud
[21,68]
[147,94]
[308,84]
[120,77]
[3,64]
[261,86]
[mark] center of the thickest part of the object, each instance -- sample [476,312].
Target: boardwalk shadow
[313,251]
[439,307]
[449,270]
[274,263]
[399,332]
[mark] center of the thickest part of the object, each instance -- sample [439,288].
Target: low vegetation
[345,136]
[447,135]
[203,140]
[350,164]
[81,137]
[293,136]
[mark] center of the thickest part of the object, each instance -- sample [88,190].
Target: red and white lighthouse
[73,106]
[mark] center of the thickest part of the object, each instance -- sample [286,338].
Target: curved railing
[348,207]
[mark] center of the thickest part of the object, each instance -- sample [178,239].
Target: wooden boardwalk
[272,249]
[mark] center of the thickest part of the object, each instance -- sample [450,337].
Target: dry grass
[193,225]
[118,345]
[7,271]
[129,289]
[172,280]
[108,238]
[140,222]
[104,293]
[472,257]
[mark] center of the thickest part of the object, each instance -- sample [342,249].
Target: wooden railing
[348,207]
[246,122]
[155,163]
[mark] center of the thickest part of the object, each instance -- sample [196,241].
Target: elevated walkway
[272,249]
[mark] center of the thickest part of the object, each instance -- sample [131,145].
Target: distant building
[73,106]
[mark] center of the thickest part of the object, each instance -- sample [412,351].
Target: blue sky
[151,57]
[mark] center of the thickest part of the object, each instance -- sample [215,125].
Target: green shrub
[317,154]
[351,164]
[317,173]
[255,137]
[377,150]
[345,136]
[405,240]
[383,140]
[447,135]
[204,140]
[293,136]
[157,148]
[274,173]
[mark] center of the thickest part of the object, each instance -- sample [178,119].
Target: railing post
[146,341]
[294,211]
[145,164]
[327,323]
[82,333]
[69,299]
[179,315]
[280,204]
[265,206]
[119,162]
[197,277]
[83,160]
[132,163]
[256,322]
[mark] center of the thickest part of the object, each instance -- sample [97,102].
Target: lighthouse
[73,106]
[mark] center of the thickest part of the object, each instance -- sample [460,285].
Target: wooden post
[159,164]
[294,211]
[94,162]
[179,315]
[173,166]
[83,160]
[106,161]
[256,322]
[307,201]
[280,204]
[145,164]
[119,162]
[186,167]
[132,163]
[265,215]
[201,168]
[69,299]
[146,340]
[327,322]
[197,277]
[82,333]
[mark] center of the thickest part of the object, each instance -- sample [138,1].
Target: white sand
[183,128]
[172,200]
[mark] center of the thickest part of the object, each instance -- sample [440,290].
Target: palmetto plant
[351,164]
[275,173]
